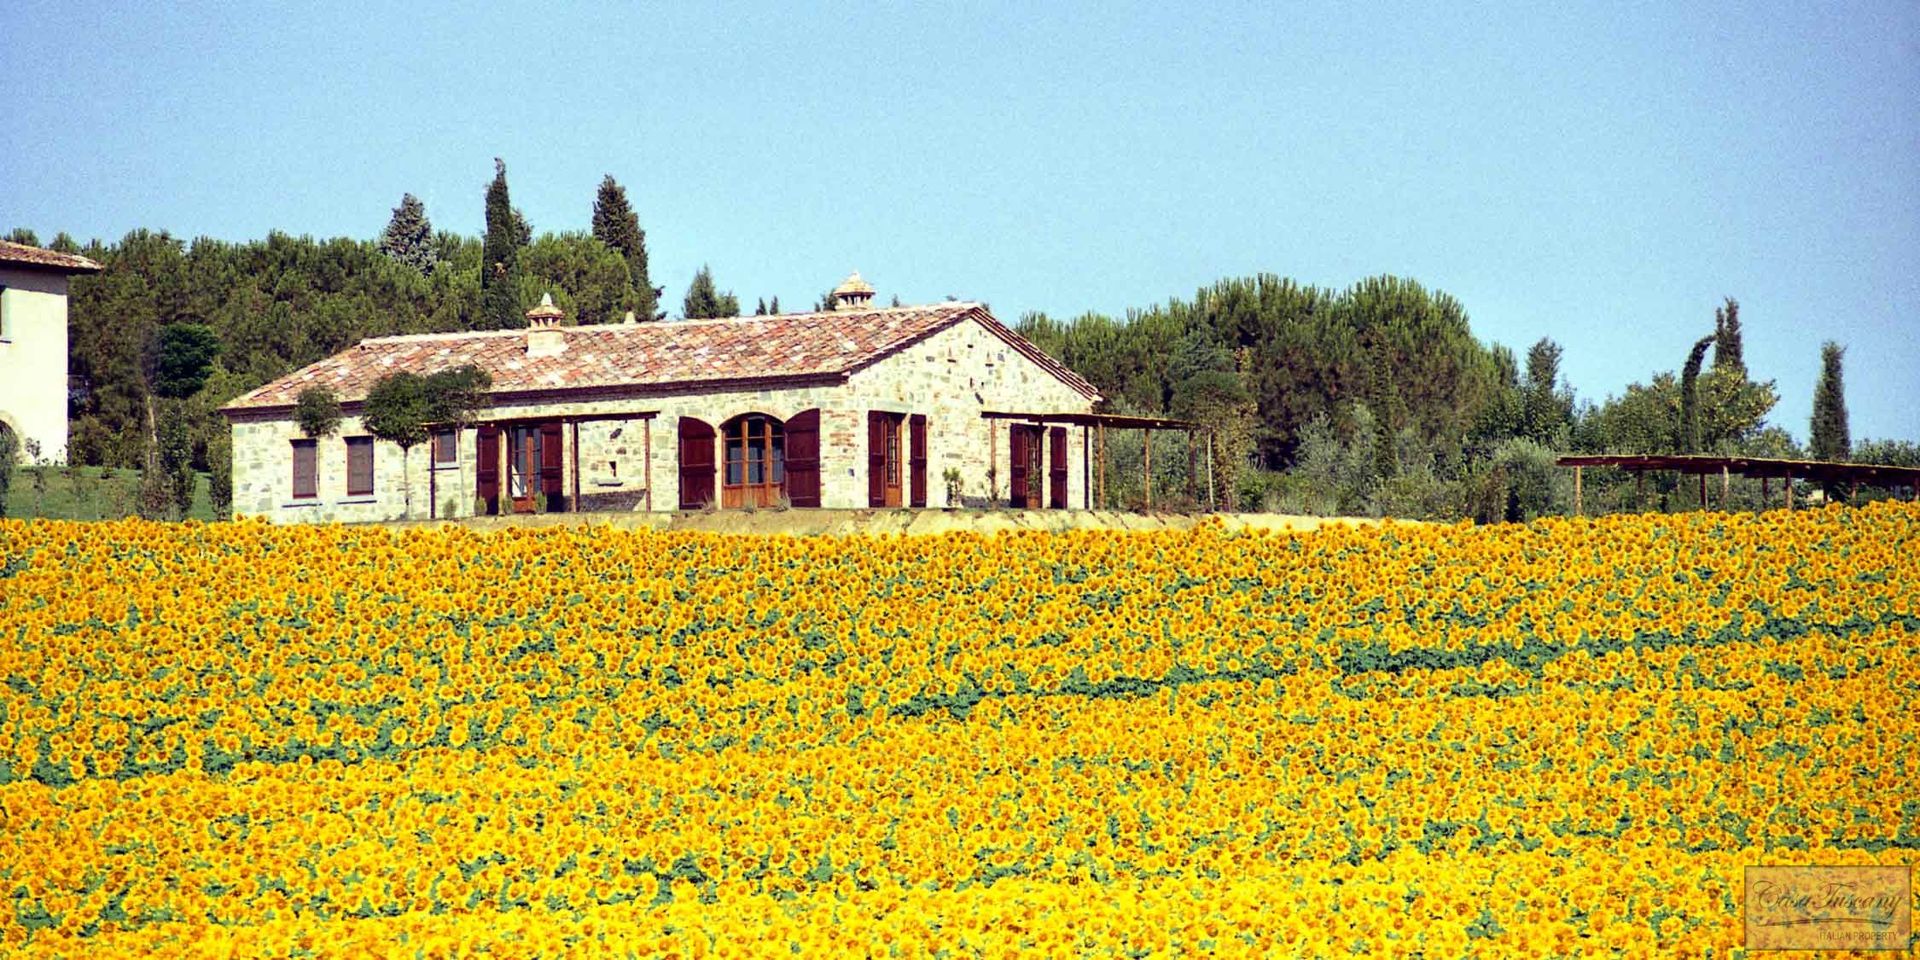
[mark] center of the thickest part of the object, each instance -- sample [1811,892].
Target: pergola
[1766,468]
[1094,445]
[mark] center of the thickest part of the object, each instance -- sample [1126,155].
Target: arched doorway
[753,461]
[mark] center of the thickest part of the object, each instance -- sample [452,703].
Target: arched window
[753,461]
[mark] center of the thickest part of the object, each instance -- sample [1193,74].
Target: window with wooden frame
[446,449]
[359,466]
[306,477]
[754,456]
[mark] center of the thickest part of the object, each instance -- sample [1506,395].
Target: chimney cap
[852,293]
[854,284]
[546,314]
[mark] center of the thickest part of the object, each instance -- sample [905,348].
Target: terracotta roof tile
[641,355]
[19,254]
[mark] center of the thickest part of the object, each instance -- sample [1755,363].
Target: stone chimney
[853,293]
[544,336]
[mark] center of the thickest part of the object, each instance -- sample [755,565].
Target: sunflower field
[1559,739]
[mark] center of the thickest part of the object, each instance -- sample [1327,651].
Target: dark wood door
[696,463]
[1027,443]
[552,450]
[803,459]
[917,459]
[1057,468]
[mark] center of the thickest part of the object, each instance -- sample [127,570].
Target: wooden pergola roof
[1115,421]
[1821,470]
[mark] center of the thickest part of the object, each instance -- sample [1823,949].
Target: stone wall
[951,377]
[33,360]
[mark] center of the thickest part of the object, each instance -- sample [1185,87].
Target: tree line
[170,330]
[1379,400]
[1374,399]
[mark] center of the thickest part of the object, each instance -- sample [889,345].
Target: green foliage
[1729,352]
[616,225]
[397,409]
[9,455]
[220,475]
[456,394]
[1831,435]
[703,301]
[1690,434]
[1532,481]
[408,239]
[175,478]
[22,235]
[184,354]
[317,411]
[507,232]
[1546,415]
[587,278]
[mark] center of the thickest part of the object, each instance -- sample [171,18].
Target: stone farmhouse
[857,407]
[33,346]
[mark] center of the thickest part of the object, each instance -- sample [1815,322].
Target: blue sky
[1602,174]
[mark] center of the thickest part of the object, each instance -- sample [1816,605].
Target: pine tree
[1728,352]
[1832,440]
[704,301]
[616,225]
[409,236]
[500,257]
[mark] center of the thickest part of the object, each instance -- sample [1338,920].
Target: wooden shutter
[1017,446]
[306,481]
[803,459]
[359,466]
[876,459]
[696,463]
[917,458]
[486,467]
[550,461]
[1057,468]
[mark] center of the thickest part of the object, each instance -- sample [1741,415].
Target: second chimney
[544,336]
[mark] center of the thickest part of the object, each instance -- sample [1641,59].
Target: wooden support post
[574,505]
[1148,457]
[1213,499]
[1789,486]
[1766,493]
[1703,491]
[1639,490]
[1853,495]
[1726,488]
[1101,442]
[1193,470]
[1578,508]
[993,464]
[1086,466]
[646,457]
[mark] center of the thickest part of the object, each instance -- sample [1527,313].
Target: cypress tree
[408,238]
[1728,352]
[500,257]
[1832,439]
[760,307]
[616,225]
[773,307]
[1690,396]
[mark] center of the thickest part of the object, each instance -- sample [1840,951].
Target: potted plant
[955,487]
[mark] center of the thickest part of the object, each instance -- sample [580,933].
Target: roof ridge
[956,305]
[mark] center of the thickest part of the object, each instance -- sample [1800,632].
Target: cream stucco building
[33,346]
[857,407]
